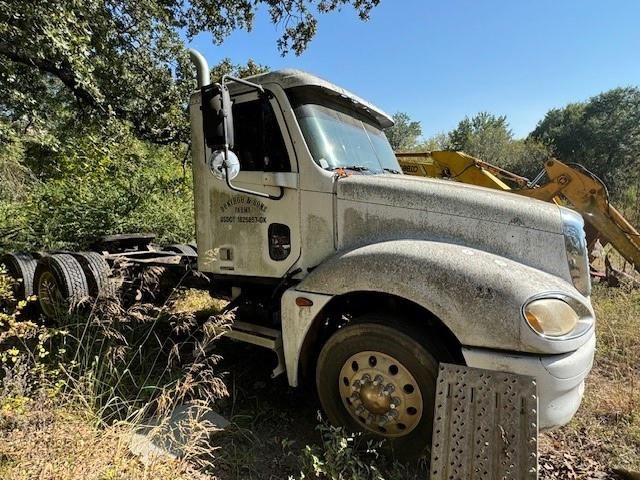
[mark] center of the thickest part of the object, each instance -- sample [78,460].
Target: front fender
[477,295]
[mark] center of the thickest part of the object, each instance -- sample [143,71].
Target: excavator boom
[570,185]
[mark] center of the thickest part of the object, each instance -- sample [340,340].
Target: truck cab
[371,278]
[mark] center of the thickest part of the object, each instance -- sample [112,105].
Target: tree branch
[63,72]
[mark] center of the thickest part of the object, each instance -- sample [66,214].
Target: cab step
[261,336]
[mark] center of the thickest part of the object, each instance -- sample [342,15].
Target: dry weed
[58,442]
[605,434]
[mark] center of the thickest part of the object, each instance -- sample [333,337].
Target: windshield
[338,139]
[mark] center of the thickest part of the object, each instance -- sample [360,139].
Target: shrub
[344,456]
[100,180]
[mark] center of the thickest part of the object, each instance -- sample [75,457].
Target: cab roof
[290,78]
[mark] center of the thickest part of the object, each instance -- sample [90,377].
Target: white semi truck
[374,277]
[360,278]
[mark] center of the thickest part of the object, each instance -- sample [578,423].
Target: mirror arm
[258,87]
[249,192]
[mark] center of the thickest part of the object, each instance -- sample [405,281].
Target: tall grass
[124,368]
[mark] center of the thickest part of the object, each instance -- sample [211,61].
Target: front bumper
[560,378]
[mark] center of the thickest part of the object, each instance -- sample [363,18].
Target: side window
[258,140]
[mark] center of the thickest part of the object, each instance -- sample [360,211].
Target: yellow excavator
[571,185]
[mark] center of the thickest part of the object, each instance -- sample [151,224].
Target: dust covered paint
[378,208]
[478,295]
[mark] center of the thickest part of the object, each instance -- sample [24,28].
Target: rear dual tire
[60,284]
[21,267]
[98,273]
[63,282]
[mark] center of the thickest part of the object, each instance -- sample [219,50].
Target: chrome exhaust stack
[202,67]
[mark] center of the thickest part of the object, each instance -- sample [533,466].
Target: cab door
[246,234]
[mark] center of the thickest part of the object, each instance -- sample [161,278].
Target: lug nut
[378,380]
[388,390]
[365,378]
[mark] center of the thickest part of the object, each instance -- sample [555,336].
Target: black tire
[22,267]
[61,285]
[411,350]
[98,274]
[181,248]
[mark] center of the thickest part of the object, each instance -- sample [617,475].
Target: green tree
[92,110]
[490,138]
[603,134]
[126,58]
[95,182]
[405,132]
[483,135]
[439,141]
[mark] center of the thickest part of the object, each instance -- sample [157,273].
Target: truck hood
[382,207]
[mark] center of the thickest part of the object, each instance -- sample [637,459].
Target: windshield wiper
[391,170]
[355,168]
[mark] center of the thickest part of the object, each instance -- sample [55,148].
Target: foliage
[14,332]
[483,131]
[227,67]
[404,134]
[96,181]
[126,58]
[68,180]
[15,178]
[602,133]
[439,141]
[48,431]
[490,138]
[81,151]
[483,135]
[347,457]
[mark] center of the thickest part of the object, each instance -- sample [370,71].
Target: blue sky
[441,60]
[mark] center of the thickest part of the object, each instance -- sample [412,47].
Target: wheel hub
[380,394]
[374,398]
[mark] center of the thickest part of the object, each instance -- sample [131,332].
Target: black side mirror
[217,116]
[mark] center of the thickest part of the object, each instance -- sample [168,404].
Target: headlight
[555,318]
[575,242]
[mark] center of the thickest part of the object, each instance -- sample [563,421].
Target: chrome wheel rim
[380,394]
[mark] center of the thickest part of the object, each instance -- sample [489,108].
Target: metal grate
[485,425]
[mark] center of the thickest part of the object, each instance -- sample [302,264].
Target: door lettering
[241,209]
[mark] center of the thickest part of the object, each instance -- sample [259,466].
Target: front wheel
[380,380]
